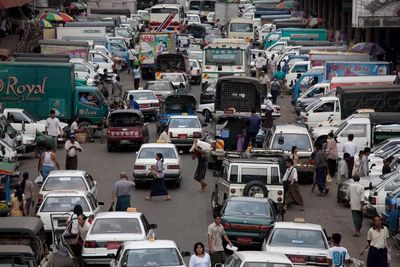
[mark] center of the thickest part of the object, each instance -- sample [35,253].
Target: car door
[382,193]
[322,112]
[224,182]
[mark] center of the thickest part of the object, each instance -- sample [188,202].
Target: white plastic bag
[206,147]
[39,179]
[355,263]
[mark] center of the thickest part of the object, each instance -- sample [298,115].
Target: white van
[242,28]
[297,69]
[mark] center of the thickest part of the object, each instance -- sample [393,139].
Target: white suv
[249,177]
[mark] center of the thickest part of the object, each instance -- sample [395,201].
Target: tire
[207,115]
[109,148]
[84,126]
[214,202]
[254,187]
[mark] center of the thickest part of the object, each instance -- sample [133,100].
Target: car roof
[261,160]
[184,117]
[118,214]
[16,250]
[262,256]
[149,145]
[295,225]
[249,199]
[325,98]
[150,244]
[291,128]
[66,173]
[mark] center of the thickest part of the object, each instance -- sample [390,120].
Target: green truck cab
[41,87]
[295,34]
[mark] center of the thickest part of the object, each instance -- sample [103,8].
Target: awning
[4,4]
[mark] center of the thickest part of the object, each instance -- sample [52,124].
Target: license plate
[111,246]
[182,136]
[244,240]
[298,259]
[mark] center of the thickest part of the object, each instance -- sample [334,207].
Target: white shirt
[196,261]
[343,171]
[338,256]
[265,79]
[351,148]
[83,230]
[355,194]
[290,175]
[52,126]
[378,238]
[74,148]
[132,54]
[164,138]
[74,127]
[269,105]
[260,62]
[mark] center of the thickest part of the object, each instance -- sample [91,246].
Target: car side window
[274,175]
[326,107]
[146,224]
[233,177]
[392,185]
[80,67]
[89,180]
[224,172]
[15,117]
[358,130]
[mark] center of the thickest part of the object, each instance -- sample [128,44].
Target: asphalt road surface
[185,218]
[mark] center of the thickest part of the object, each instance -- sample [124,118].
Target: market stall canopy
[7,168]
[4,4]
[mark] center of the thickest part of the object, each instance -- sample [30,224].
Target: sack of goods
[206,147]
[44,140]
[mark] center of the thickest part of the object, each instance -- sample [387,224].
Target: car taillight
[321,260]
[226,225]
[239,68]
[279,199]
[233,190]
[298,259]
[40,198]
[197,135]
[173,167]
[372,200]
[90,244]
[280,193]
[139,167]
[264,228]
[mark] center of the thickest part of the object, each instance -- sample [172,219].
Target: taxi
[303,243]
[109,230]
[149,253]
[183,130]
[147,100]
[258,259]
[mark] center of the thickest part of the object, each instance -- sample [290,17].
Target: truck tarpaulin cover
[240,93]
[384,118]
[379,98]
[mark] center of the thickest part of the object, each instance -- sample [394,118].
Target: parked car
[147,100]
[183,130]
[162,89]
[178,80]
[109,230]
[247,220]
[375,161]
[257,259]
[303,243]
[126,128]
[146,159]
[196,71]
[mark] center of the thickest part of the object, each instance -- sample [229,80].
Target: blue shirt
[83,100]
[134,104]
[253,123]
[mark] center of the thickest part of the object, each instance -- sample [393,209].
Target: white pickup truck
[27,126]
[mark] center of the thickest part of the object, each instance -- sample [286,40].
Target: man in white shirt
[291,186]
[355,195]
[343,172]
[260,63]
[164,136]
[83,228]
[74,125]
[72,147]
[351,148]
[216,234]
[53,127]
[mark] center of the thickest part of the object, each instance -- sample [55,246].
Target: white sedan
[67,180]
[183,130]
[146,159]
[108,232]
[258,259]
[149,253]
[178,80]
[147,100]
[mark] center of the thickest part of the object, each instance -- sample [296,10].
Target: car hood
[365,180]
[153,161]
[246,219]
[115,237]
[299,251]
[319,131]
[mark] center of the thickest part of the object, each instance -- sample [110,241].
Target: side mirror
[100,203]
[185,253]
[95,182]
[153,226]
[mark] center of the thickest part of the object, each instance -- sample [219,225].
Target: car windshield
[193,64]
[184,123]
[64,183]
[143,96]
[313,104]
[123,32]
[150,152]
[266,264]
[298,238]
[116,226]
[64,204]
[172,78]
[152,257]
[196,55]
[389,152]
[302,141]
[193,19]
[247,208]
[159,86]
[241,27]
[378,147]
[125,120]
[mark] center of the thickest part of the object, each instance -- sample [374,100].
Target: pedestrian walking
[265,81]
[275,86]
[72,147]
[216,234]
[53,127]
[272,65]
[295,157]
[355,196]
[201,169]
[48,160]
[164,136]
[331,154]
[351,148]
[377,243]
[338,256]
[122,192]
[131,57]
[269,121]
[17,203]
[200,258]
[116,89]
[279,75]
[27,188]
[74,125]
[260,63]
[158,187]
[365,161]
[292,191]
[342,172]
[320,170]
[358,166]
[253,124]
[386,165]
[136,76]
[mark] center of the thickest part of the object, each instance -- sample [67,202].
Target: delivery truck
[319,58]
[153,44]
[340,69]
[41,87]
[59,47]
